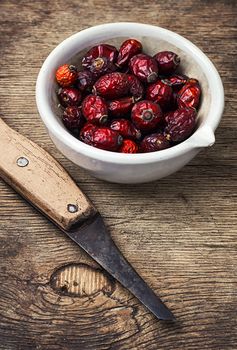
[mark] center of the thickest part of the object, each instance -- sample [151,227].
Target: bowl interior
[151,45]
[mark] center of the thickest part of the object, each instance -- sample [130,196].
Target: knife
[43,182]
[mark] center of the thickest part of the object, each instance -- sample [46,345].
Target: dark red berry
[66,75]
[128,146]
[167,62]
[72,118]
[69,96]
[94,109]
[189,95]
[180,124]
[85,81]
[125,128]
[112,85]
[100,59]
[86,133]
[161,93]
[146,115]
[154,142]
[101,137]
[128,49]
[176,81]
[144,67]
[121,107]
[136,89]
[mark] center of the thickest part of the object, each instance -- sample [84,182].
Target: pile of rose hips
[126,101]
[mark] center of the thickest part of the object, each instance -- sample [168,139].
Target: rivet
[22,161]
[72,208]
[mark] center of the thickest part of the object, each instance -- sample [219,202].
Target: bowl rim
[54,127]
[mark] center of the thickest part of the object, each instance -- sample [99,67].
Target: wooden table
[179,232]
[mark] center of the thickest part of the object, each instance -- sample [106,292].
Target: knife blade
[43,182]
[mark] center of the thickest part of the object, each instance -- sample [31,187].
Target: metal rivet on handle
[72,208]
[22,161]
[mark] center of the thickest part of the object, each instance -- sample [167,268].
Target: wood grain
[36,175]
[179,233]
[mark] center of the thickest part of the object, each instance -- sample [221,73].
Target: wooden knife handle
[38,177]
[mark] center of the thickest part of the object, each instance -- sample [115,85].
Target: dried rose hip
[121,107]
[85,81]
[180,124]
[136,89]
[144,67]
[189,95]
[146,115]
[94,109]
[66,75]
[125,128]
[112,85]
[128,49]
[167,62]
[69,96]
[161,93]
[72,118]
[100,59]
[176,81]
[154,142]
[128,146]
[101,137]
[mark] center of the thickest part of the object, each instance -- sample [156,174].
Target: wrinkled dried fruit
[154,142]
[144,68]
[121,107]
[100,59]
[128,146]
[112,85]
[69,96]
[94,109]
[176,81]
[136,89]
[128,49]
[66,75]
[161,93]
[101,137]
[189,95]
[72,118]
[146,115]
[167,62]
[180,124]
[85,81]
[125,128]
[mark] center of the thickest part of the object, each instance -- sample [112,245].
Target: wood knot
[81,280]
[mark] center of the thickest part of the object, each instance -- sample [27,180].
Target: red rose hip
[180,124]
[86,133]
[66,75]
[95,110]
[101,137]
[189,95]
[100,59]
[72,118]
[161,93]
[146,115]
[69,96]
[167,62]
[136,89]
[128,146]
[144,68]
[120,107]
[154,142]
[128,49]
[85,81]
[112,85]
[176,81]
[125,128]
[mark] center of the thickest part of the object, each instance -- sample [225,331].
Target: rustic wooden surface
[179,232]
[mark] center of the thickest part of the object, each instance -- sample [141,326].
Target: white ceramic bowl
[131,168]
